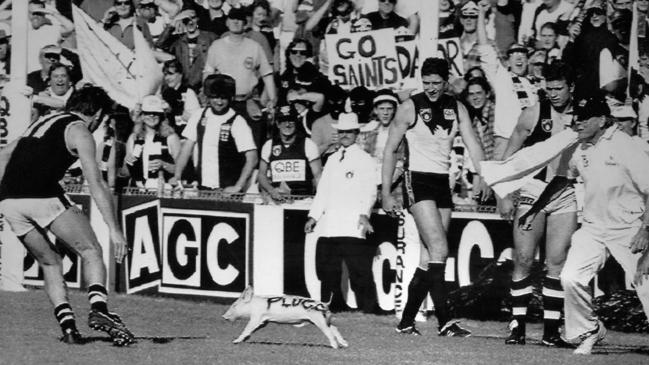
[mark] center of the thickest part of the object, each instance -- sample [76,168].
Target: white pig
[288,309]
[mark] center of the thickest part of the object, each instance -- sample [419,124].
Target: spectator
[120,20]
[513,92]
[385,107]
[507,18]
[550,11]
[583,51]
[5,53]
[448,22]
[385,17]
[480,105]
[175,91]
[43,31]
[220,140]
[290,163]
[548,41]
[287,27]
[360,103]
[537,62]
[261,23]
[311,21]
[213,19]
[148,11]
[343,216]
[344,16]
[57,94]
[190,49]
[298,52]
[323,133]
[38,80]
[469,37]
[153,147]
[306,98]
[245,61]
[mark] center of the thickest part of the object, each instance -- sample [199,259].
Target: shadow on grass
[153,339]
[288,344]
[603,349]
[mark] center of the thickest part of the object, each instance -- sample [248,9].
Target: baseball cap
[385,95]
[219,85]
[238,13]
[285,114]
[595,106]
[153,104]
[517,47]
[470,9]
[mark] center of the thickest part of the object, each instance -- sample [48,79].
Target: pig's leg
[338,336]
[320,321]
[255,323]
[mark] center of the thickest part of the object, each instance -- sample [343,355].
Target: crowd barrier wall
[203,247]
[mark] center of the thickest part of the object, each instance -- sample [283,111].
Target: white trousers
[590,247]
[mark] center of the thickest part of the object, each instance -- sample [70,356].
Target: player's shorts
[420,186]
[564,203]
[25,214]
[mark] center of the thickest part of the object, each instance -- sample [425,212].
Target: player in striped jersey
[32,201]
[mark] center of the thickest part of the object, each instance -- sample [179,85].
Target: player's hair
[435,66]
[557,71]
[89,100]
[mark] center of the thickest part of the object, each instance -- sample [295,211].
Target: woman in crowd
[175,91]
[120,20]
[298,52]
[153,147]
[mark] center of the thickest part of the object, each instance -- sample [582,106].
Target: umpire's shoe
[516,334]
[590,339]
[113,325]
[408,330]
[72,337]
[453,329]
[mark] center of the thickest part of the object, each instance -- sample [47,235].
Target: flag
[126,75]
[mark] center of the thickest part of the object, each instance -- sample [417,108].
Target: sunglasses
[298,52]
[286,122]
[118,3]
[538,64]
[189,20]
[388,1]
[151,114]
[170,73]
[52,56]
[469,17]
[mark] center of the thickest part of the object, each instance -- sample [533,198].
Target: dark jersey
[542,131]
[291,165]
[40,159]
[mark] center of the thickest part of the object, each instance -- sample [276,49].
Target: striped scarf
[522,92]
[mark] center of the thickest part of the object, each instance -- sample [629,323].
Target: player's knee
[90,250]
[49,261]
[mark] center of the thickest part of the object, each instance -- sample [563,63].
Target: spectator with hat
[48,55]
[47,26]
[245,61]
[341,208]
[512,90]
[153,147]
[219,140]
[290,162]
[385,105]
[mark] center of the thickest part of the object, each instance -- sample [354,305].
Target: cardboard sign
[363,59]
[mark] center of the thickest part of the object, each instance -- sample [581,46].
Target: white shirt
[241,133]
[346,190]
[545,16]
[616,180]
[508,107]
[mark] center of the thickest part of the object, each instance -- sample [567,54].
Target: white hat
[153,104]
[347,122]
[623,111]
[470,8]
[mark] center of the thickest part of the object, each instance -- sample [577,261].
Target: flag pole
[19,105]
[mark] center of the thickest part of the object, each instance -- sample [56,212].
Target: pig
[288,309]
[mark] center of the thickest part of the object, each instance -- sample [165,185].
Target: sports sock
[552,305]
[65,316]
[438,292]
[521,292]
[97,296]
[417,290]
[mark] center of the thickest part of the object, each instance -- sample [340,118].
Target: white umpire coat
[346,190]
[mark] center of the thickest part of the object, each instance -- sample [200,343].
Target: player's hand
[505,208]
[365,225]
[642,271]
[309,225]
[640,241]
[525,221]
[390,205]
[119,244]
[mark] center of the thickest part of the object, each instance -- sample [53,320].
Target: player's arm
[468,136]
[405,114]
[522,130]
[79,139]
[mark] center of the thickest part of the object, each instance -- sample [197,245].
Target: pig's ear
[247,294]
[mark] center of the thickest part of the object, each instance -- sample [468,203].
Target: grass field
[173,331]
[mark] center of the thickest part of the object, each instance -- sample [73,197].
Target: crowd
[246,105]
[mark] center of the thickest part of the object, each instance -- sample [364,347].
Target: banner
[363,59]
[126,76]
[449,48]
